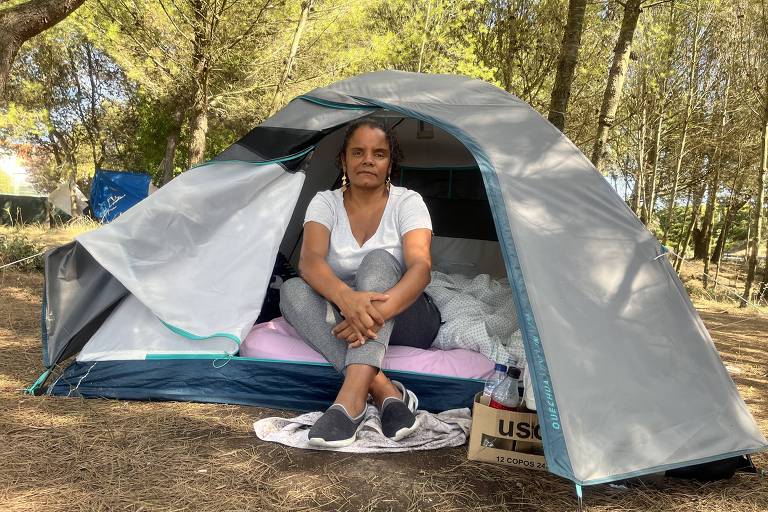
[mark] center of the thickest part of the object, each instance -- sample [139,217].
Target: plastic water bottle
[505,395]
[499,374]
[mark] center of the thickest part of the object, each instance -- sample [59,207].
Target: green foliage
[15,247]
[106,86]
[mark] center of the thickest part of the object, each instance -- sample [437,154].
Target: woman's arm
[418,263]
[356,307]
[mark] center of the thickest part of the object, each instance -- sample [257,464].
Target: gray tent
[627,379]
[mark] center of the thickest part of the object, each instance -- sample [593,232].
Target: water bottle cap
[513,372]
[500,367]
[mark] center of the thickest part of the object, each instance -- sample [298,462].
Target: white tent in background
[61,198]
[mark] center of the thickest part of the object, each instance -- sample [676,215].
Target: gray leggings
[314,317]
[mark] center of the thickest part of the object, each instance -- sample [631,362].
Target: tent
[22,209]
[627,379]
[61,198]
[113,192]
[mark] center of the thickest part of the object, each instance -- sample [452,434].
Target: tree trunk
[198,122]
[306,8]
[24,21]
[686,119]
[424,36]
[616,77]
[566,64]
[709,216]
[764,285]
[735,205]
[685,218]
[94,104]
[639,199]
[700,247]
[652,181]
[692,225]
[650,197]
[171,140]
[758,209]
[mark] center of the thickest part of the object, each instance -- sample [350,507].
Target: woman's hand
[345,332]
[359,313]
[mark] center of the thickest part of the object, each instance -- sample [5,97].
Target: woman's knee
[379,271]
[295,294]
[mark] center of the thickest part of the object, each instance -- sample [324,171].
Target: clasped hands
[362,320]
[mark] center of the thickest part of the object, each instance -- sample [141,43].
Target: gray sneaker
[335,428]
[397,414]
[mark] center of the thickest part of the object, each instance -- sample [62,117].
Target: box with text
[505,437]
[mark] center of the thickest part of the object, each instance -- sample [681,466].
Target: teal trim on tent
[176,355]
[196,337]
[294,156]
[212,357]
[334,104]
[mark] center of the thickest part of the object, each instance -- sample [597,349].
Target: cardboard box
[513,437]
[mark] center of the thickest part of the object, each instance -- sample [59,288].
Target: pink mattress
[278,340]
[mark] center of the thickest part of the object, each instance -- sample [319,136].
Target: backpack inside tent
[157,304]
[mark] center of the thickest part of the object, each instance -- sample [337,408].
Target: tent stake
[31,390]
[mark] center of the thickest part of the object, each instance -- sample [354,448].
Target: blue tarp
[113,192]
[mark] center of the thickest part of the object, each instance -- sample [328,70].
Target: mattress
[277,340]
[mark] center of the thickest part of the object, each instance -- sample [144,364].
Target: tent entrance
[437,166]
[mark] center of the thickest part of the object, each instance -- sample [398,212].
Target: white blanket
[448,428]
[478,314]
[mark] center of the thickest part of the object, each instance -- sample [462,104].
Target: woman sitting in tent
[365,261]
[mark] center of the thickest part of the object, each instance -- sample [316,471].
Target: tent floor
[280,385]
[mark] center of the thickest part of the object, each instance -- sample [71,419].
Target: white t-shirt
[405,211]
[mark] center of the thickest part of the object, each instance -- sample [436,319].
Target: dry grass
[50,238]
[74,454]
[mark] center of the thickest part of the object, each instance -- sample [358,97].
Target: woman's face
[367,157]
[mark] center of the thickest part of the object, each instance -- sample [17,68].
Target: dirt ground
[75,454]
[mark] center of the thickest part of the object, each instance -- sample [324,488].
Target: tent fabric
[78,294]
[627,379]
[212,265]
[149,337]
[61,198]
[114,192]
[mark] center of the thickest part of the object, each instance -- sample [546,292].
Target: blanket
[478,314]
[448,428]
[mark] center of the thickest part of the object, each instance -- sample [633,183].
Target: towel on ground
[448,428]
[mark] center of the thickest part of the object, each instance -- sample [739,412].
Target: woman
[365,261]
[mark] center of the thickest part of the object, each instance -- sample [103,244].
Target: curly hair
[395,153]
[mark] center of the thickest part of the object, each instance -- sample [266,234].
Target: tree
[753,52]
[616,76]
[24,21]
[519,43]
[566,64]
